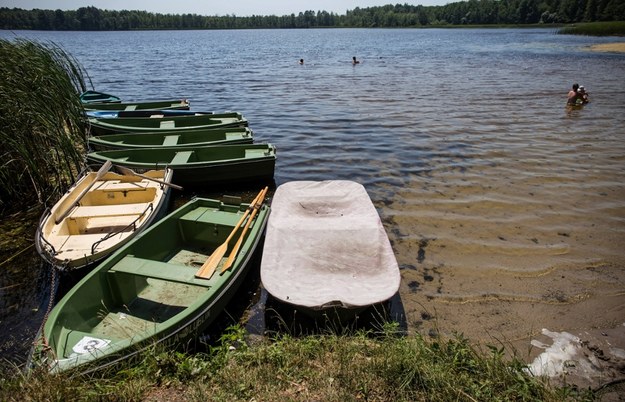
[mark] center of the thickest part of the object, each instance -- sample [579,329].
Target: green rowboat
[187,138]
[166,104]
[103,126]
[147,293]
[88,97]
[94,100]
[197,166]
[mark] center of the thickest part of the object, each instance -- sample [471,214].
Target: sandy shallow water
[609,47]
[533,242]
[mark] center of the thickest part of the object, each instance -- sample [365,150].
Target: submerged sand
[609,47]
[528,245]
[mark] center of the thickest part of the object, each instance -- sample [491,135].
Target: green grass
[611,28]
[43,133]
[357,367]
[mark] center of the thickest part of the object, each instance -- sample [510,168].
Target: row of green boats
[152,279]
[201,147]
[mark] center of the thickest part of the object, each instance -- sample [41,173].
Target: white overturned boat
[326,249]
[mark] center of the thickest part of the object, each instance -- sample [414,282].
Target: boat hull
[95,97]
[187,138]
[103,126]
[198,166]
[151,113]
[326,250]
[146,294]
[166,104]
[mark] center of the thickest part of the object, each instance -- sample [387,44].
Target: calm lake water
[506,210]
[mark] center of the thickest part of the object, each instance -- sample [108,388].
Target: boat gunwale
[245,136]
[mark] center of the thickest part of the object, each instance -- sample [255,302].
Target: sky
[203,7]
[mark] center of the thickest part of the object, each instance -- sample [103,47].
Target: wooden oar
[208,268]
[101,172]
[129,172]
[235,250]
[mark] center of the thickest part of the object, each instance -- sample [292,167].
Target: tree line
[474,12]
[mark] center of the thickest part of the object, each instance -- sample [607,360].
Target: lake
[506,211]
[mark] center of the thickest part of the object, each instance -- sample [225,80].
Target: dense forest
[482,12]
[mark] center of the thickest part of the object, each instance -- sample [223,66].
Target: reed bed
[610,28]
[43,133]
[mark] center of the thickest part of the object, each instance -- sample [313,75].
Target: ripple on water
[490,190]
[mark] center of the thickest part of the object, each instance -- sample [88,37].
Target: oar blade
[129,172]
[208,268]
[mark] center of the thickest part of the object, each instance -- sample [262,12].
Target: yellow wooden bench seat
[109,210]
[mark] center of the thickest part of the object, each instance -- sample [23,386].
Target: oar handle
[101,172]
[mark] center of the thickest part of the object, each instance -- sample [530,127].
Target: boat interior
[112,209]
[150,283]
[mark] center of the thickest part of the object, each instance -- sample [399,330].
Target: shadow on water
[270,317]
[262,316]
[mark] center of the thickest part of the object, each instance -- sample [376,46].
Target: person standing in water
[573,95]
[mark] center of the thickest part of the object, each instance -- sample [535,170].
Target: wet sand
[609,47]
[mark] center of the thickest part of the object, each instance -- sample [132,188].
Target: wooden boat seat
[159,270]
[122,186]
[80,244]
[120,196]
[255,153]
[181,157]
[170,140]
[168,124]
[218,218]
[91,211]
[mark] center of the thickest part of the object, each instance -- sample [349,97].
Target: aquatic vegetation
[43,133]
[611,28]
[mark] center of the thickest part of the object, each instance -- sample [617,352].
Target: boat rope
[53,289]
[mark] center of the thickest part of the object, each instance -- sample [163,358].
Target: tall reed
[42,128]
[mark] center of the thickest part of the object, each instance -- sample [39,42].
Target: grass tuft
[357,367]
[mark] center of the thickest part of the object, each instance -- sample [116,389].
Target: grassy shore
[384,366]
